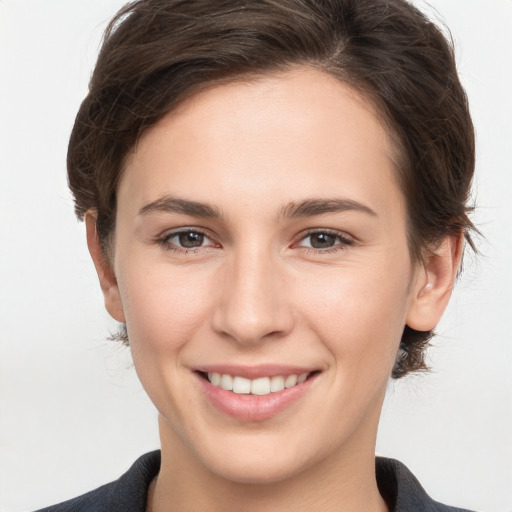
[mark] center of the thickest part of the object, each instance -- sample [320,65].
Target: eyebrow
[176,205]
[306,208]
[311,207]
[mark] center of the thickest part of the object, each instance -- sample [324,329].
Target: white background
[72,413]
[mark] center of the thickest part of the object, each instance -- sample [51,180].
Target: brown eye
[186,240]
[191,239]
[325,241]
[322,240]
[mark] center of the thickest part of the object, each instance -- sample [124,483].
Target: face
[261,243]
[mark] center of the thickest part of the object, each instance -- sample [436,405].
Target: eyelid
[344,238]
[164,239]
[328,231]
[166,236]
[168,233]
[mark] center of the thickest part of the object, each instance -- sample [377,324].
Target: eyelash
[167,245]
[343,241]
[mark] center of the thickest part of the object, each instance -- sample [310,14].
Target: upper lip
[253,372]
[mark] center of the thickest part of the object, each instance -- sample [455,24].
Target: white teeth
[277,383]
[260,386]
[226,382]
[214,378]
[241,385]
[290,381]
[302,377]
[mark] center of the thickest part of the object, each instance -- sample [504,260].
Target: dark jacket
[128,494]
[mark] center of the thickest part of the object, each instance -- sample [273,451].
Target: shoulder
[403,491]
[127,494]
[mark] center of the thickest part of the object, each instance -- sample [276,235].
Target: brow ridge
[312,207]
[172,204]
[306,208]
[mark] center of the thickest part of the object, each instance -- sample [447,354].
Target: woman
[275,196]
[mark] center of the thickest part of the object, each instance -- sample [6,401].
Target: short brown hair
[156,53]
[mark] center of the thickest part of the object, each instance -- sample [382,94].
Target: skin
[255,291]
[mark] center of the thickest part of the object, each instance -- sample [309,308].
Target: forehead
[296,133]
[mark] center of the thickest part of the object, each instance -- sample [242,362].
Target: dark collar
[402,491]
[396,483]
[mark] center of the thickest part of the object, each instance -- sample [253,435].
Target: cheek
[165,309]
[163,305]
[359,314]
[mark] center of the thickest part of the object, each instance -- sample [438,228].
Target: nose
[253,302]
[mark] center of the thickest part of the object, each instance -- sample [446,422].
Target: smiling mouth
[260,386]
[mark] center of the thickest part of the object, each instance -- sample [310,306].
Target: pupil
[322,240]
[191,239]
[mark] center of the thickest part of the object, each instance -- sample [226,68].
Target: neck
[345,481]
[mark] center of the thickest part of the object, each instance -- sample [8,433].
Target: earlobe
[433,288]
[106,275]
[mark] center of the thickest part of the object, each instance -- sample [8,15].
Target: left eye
[323,240]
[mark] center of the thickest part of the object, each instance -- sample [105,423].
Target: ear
[108,281]
[434,284]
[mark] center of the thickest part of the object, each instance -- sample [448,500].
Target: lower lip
[253,408]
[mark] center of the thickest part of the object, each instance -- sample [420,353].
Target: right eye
[186,240]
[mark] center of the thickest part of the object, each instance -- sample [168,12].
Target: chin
[260,459]
[252,470]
